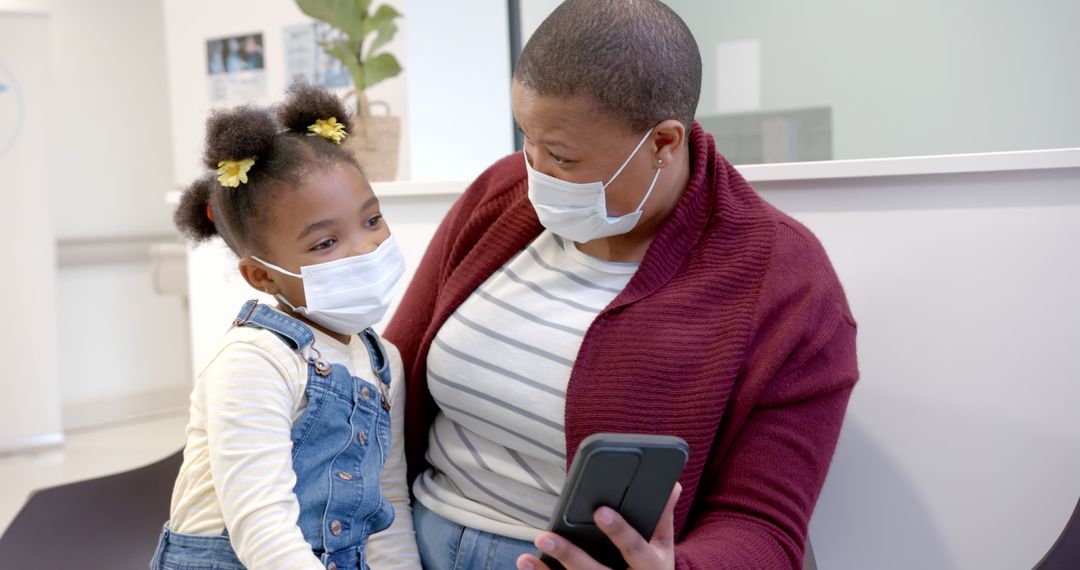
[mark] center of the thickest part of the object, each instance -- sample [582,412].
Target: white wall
[124,347]
[459,87]
[533,13]
[110,101]
[30,407]
[120,351]
[909,77]
[26,6]
[961,447]
[121,348]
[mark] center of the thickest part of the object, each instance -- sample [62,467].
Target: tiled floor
[84,455]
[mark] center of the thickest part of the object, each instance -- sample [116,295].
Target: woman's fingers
[557,547]
[635,551]
[530,562]
[638,553]
[664,535]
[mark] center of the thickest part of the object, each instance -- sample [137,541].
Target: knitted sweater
[734,334]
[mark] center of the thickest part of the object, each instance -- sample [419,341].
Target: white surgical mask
[350,294]
[578,211]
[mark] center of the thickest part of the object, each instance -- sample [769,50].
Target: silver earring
[659,161]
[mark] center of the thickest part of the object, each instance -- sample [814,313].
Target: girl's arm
[395,547]
[249,407]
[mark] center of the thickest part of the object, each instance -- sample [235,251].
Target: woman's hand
[657,554]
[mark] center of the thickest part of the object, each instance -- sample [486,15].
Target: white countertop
[822,170]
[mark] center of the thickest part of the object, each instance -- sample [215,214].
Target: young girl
[296,423]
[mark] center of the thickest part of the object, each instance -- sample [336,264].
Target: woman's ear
[668,138]
[258,277]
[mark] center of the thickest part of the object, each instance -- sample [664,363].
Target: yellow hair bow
[329,129]
[233,173]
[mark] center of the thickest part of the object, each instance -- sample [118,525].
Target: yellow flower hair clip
[329,129]
[233,173]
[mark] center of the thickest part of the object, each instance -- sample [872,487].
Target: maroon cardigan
[734,334]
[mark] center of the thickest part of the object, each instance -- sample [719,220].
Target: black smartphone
[631,473]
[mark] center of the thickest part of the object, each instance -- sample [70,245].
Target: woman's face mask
[578,211]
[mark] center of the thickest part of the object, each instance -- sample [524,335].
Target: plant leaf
[381,22]
[345,15]
[380,67]
[384,13]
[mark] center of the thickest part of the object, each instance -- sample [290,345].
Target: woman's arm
[754,502]
[755,512]
[249,407]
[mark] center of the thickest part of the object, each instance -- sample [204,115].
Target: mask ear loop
[276,268]
[649,191]
[280,296]
[631,157]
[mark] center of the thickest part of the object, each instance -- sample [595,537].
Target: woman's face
[568,138]
[332,215]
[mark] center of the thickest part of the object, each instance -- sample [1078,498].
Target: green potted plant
[362,33]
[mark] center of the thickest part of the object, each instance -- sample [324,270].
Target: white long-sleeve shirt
[237,470]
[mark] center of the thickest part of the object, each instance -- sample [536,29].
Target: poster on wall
[305,59]
[236,67]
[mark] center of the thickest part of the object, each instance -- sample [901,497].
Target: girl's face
[333,214]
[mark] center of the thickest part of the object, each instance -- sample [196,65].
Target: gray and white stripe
[498,370]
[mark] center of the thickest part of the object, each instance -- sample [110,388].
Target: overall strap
[380,363]
[291,331]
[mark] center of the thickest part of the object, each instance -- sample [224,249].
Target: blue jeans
[446,545]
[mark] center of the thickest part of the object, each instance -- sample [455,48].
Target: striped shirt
[498,369]
[238,457]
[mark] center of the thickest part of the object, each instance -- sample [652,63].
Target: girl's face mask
[351,294]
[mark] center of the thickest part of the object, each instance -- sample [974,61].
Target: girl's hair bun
[192,216]
[308,103]
[236,134]
[231,201]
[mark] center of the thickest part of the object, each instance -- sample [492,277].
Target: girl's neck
[342,338]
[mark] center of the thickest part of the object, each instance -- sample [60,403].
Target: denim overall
[339,445]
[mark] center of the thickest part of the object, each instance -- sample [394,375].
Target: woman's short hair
[636,59]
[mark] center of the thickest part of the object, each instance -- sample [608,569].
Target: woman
[619,276]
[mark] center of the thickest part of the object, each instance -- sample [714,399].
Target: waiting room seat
[108,523]
[1065,554]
